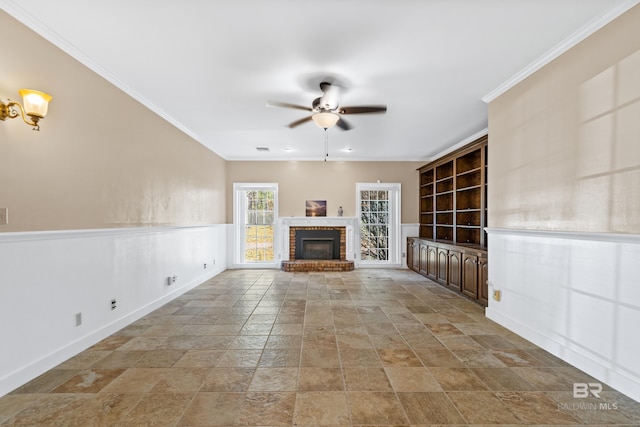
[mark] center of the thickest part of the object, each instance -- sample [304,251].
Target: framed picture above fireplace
[316,208]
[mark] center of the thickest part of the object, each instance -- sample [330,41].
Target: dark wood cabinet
[432,262]
[470,275]
[483,280]
[442,273]
[413,254]
[460,268]
[423,258]
[453,218]
[455,272]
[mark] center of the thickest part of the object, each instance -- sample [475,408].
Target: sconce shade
[325,120]
[36,103]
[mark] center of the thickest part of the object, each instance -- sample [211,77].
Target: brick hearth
[301,265]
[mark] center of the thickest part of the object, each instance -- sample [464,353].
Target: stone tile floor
[367,347]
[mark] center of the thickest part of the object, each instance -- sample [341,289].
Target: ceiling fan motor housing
[329,99]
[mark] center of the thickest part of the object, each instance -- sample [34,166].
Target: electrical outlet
[78,319]
[205,265]
[171,280]
[4,216]
[113,304]
[497,295]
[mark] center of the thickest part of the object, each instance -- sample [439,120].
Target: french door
[379,231]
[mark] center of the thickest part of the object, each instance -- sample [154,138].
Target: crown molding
[460,144]
[558,50]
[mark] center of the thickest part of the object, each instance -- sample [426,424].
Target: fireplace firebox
[319,244]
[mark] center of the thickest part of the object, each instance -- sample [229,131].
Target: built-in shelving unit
[451,247]
[453,197]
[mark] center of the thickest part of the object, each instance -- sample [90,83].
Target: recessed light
[288,149]
[262,148]
[348,149]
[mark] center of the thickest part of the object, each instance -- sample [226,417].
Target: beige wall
[564,149]
[334,182]
[101,159]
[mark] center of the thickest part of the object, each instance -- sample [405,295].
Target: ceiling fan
[326,110]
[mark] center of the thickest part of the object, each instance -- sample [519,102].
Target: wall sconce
[35,106]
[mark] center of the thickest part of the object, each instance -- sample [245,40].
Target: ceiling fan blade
[343,124]
[299,122]
[364,109]
[287,105]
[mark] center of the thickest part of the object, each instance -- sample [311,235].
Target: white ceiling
[209,67]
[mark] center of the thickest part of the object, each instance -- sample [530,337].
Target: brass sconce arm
[10,111]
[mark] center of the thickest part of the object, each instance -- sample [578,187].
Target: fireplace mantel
[285,223]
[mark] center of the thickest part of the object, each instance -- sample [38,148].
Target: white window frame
[239,215]
[395,244]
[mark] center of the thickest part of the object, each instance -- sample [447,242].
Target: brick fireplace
[316,247]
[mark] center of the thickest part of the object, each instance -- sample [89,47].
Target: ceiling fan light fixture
[325,119]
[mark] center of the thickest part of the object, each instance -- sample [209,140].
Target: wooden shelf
[470,187]
[444,171]
[469,161]
[426,191]
[470,171]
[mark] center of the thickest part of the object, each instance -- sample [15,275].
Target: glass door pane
[374,225]
[259,226]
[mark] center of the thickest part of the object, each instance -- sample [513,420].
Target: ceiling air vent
[262,148]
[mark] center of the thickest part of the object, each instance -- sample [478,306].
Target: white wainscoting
[577,295]
[49,277]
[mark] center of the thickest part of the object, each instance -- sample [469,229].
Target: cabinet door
[443,266]
[410,243]
[483,278]
[416,255]
[432,262]
[454,270]
[423,258]
[470,275]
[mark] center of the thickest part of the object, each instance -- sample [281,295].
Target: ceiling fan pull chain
[326,144]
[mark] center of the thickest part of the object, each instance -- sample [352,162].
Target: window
[379,214]
[255,213]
